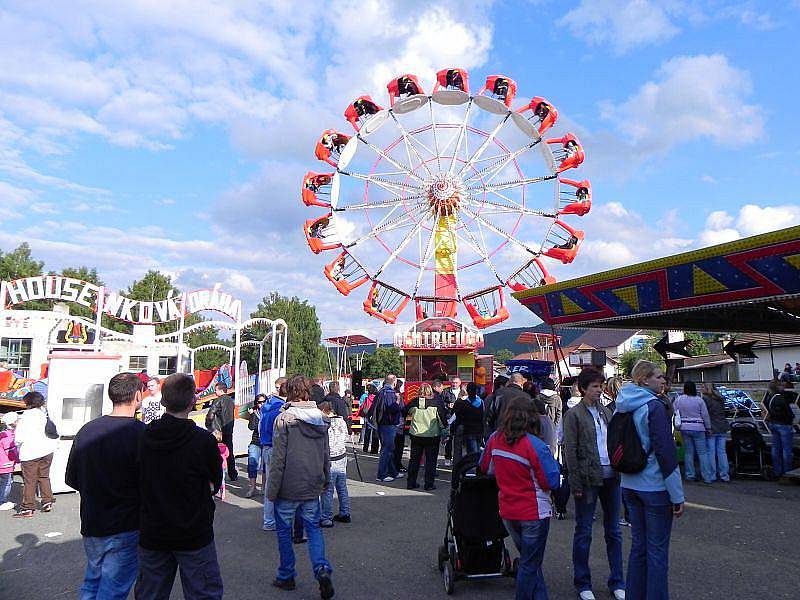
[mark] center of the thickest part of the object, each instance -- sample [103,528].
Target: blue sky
[173,134]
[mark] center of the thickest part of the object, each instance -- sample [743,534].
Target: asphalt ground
[736,540]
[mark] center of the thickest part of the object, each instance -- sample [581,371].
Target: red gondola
[345,273]
[565,242]
[330,145]
[402,87]
[360,110]
[321,234]
[500,87]
[543,115]
[570,155]
[317,189]
[385,302]
[486,307]
[530,276]
[452,79]
[576,198]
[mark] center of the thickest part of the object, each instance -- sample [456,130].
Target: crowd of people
[148,485]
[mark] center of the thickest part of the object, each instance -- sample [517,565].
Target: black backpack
[624,446]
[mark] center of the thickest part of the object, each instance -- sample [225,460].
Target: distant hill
[506,338]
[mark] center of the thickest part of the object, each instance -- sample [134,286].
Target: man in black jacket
[338,404]
[179,473]
[221,417]
[102,466]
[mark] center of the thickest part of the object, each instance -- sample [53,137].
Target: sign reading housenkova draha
[139,312]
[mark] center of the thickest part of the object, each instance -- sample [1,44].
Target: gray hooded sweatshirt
[300,460]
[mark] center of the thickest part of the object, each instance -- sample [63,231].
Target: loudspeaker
[357,381]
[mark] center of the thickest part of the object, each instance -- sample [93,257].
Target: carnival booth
[70,358]
[77,393]
[442,348]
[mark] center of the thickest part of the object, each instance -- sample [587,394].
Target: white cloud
[752,219]
[240,282]
[624,24]
[692,97]
[708,179]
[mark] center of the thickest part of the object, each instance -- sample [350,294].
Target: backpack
[624,446]
[50,429]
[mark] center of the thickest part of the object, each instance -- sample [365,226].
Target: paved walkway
[737,540]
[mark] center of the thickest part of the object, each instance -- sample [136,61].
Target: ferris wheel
[445,198]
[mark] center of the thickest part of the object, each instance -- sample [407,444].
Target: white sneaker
[6,506]
[400,475]
[387,479]
[448,463]
[619,594]
[586,595]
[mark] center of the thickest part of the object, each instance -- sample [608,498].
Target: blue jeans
[650,514]
[269,509]
[694,442]
[610,500]
[472,443]
[781,448]
[386,466]
[285,511]
[112,563]
[253,460]
[6,480]
[338,477]
[530,538]
[719,456]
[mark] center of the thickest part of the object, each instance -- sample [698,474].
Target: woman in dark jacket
[254,449]
[719,431]
[469,417]
[591,478]
[780,418]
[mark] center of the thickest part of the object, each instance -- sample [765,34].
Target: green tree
[306,355]
[503,355]
[20,263]
[382,361]
[626,360]
[152,287]
[699,343]
[208,359]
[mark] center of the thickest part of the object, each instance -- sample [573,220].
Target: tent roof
[355,339]
[749,285]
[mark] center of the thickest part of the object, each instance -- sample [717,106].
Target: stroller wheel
[447,575]
[442,557]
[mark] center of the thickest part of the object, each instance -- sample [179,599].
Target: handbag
[50,429]
[676,419]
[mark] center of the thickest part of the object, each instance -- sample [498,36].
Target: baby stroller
[474,539]
[749,450]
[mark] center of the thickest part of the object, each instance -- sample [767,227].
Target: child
[8,458]
[223,455]
[337,438]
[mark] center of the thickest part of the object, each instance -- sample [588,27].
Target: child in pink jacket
[8,459]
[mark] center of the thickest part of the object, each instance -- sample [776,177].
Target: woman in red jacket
[525,472]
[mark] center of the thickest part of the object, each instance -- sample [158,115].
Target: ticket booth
[441,348]
[77,393]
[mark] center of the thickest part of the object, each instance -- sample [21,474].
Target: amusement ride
[431,198]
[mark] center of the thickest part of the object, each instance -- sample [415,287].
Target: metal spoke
[491,226]
[400,247]
[435,139]
[498,166]
[378,203]
[389,186]
[381,153]
[409,144]
[386,226]
[482,148]
[429,252]
[483,253]
[504,208]
[462,130]
[510,184]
